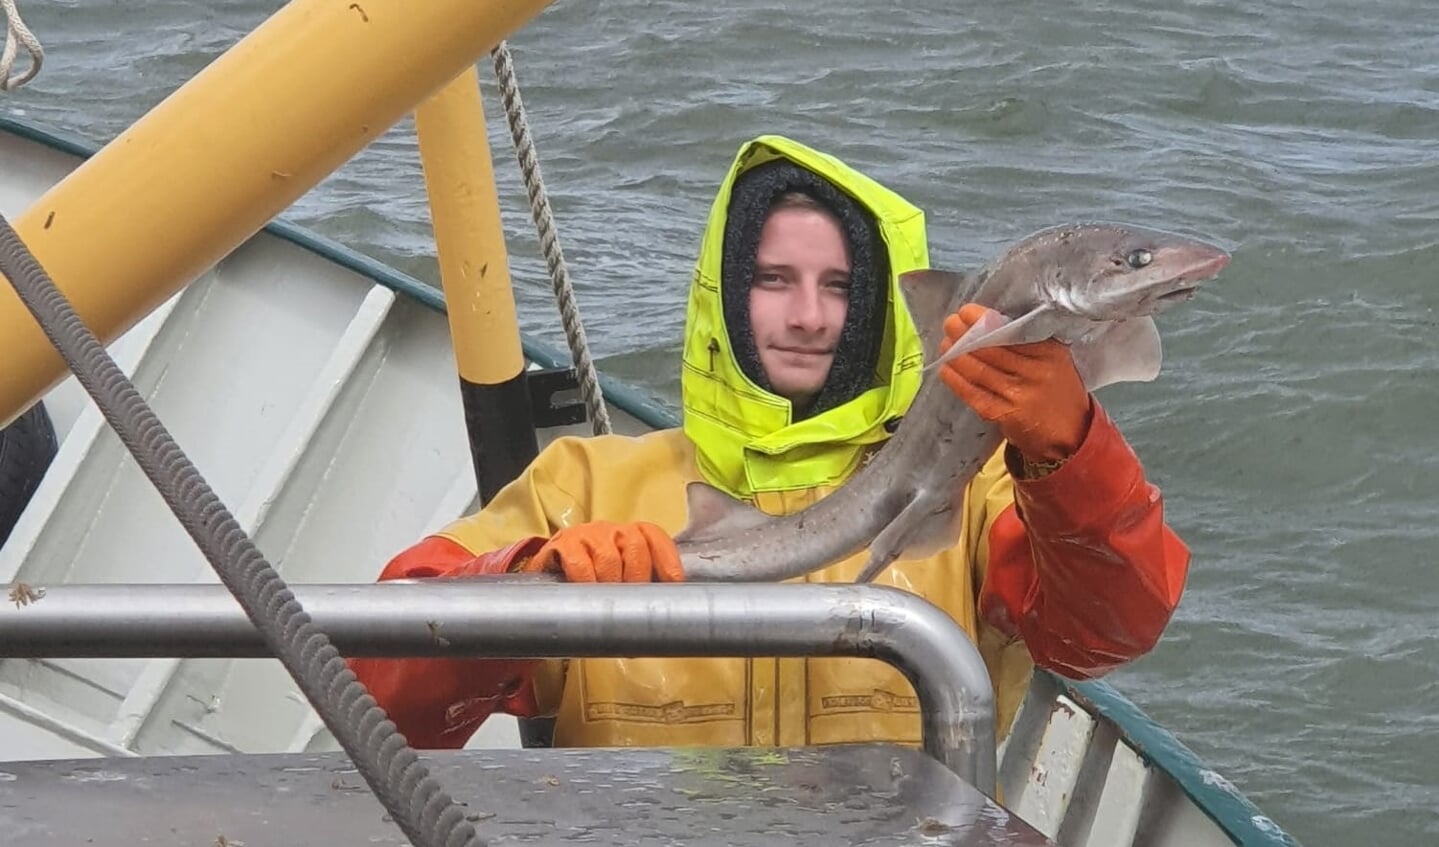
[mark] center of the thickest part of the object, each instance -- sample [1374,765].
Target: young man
[799,360]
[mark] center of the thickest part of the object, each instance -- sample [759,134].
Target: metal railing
[513,617]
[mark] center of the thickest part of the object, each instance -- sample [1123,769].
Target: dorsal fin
[714,514]
[931,296]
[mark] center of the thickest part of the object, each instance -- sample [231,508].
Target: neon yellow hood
[745,439]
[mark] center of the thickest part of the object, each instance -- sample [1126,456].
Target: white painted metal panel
[1115,818]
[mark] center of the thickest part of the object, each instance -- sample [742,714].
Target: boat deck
[872,794]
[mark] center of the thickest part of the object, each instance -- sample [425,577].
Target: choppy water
[1294,428]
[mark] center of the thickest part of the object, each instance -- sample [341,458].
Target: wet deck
[863,794]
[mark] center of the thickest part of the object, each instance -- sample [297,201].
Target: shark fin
[923,528]
[995,330]
[1123,351]
[714,514]
[931,296]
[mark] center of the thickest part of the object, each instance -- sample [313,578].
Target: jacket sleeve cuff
[1085,491]
[440,556]
[504,560]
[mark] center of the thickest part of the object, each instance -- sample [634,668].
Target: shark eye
[1139,258]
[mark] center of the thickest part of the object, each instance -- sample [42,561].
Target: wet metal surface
[861,794]
[501,617]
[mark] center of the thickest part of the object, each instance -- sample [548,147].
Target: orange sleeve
[439,703]
[1082,566]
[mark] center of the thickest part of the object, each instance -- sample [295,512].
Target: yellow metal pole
[475,273]
[469,237]
[226,152]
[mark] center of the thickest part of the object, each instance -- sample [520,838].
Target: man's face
[798,300]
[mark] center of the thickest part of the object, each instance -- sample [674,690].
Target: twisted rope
[549,241]
[17,33]
[420,806]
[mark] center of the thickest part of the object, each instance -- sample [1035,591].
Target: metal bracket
[554,397]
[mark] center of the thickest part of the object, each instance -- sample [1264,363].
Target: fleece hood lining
[857,352]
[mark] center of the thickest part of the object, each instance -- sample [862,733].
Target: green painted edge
[1229,809]
[647,409]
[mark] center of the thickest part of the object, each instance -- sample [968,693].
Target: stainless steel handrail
[514,617]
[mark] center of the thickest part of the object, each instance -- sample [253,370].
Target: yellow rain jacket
[741,439]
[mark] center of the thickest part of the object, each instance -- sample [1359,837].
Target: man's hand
[1032,391]
[609,552]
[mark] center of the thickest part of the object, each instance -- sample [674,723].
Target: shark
[1096,287]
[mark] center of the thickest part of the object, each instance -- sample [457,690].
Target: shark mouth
[1203,271]
[1179,295]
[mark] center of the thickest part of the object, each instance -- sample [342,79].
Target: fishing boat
[316,390]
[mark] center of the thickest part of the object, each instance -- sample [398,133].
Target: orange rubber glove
[1032,391]
[601,551]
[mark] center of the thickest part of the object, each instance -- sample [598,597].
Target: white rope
[549,241]
[17,33]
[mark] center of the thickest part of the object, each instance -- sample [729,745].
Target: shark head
[1110,272]
[1095,287]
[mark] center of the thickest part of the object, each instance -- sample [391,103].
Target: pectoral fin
[1122,351]
[995,330]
